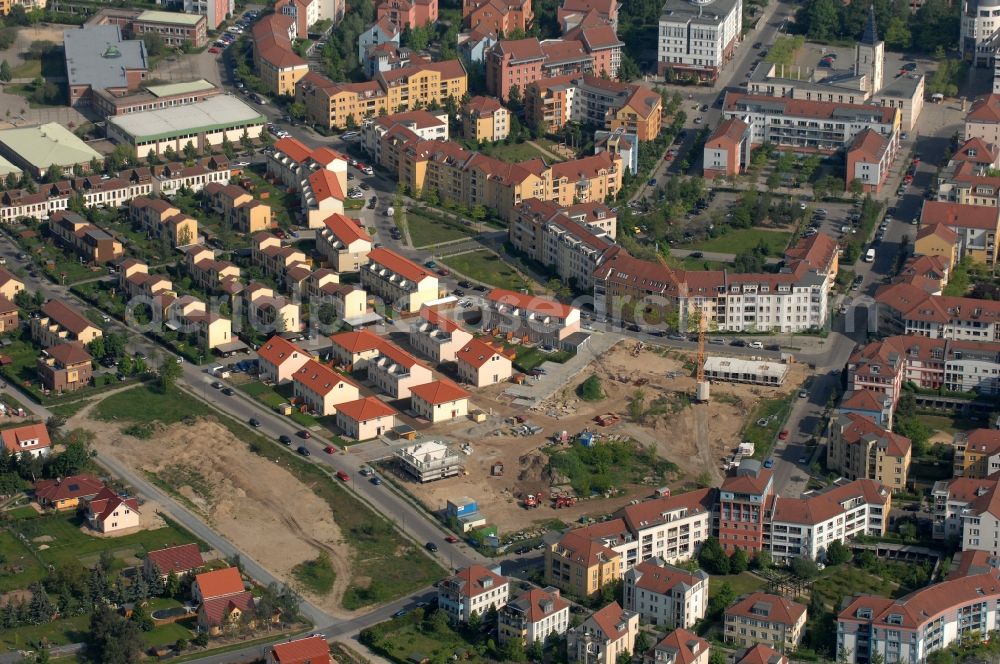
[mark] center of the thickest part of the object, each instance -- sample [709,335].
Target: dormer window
[895,619]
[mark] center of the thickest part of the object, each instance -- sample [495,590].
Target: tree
[856,188]
[5,72]
[642,644]
[837,553]
[228,148]
[246,141]
[74,459]
[722,599]
[169,153]
[624,657]
[40,609]
[876,657]
[154,43]
[170,371]
[628,70]
[54,173]
[141,618]
[712,558]
[762,560]
[804,568]
[514,99]
[96,347]
[112,639]
[738,562]
[190,151]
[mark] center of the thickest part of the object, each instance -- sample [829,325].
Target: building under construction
[753,372]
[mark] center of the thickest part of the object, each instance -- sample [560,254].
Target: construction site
[569,459]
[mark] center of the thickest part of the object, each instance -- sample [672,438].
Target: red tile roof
[6,276]
[817,252]
[357,341]
[662,579]
[770,608]
[277,349]
[66,316]
[68,354]
[68,488]
[869,145]
[977,151]
[446,69]
[438,319]
[938,229]
[218,609]
[220,582]
[985,109]
[14,436]
[475,580]
[293,148]
[583,169]
[176,559]
[983,441]
[404,267]
[684,645]
[762,654]
[325,185]
[803,108]
[271,42]
[584,550]
[365,409]
[753,484]
[319,378]
[609,619]
[955,215]
[861,428]
[482,106]
[729,131]
[439,391]
[398,355]
[102,506]
[477,353]
[521,49]
[536,604]
[534,303]
[659,510]
[346,229]
[310,650]
[862,400]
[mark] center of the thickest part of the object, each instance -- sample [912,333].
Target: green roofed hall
[169,89]
[153,16]
[6,168]
[36,148]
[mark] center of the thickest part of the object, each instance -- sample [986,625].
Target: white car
[242,164]
[756,344]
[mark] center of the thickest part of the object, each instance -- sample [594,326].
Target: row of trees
[934,27]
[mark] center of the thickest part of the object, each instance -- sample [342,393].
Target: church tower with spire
[869,56]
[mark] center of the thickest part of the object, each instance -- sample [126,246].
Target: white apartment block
[533,616]
[671,529]
[428,125]
[603,637]
[435,336]
[980,31]
[967,510]
[401,283]
[474,589]
[394,371]
[698,36]
[539,319]
[664,595]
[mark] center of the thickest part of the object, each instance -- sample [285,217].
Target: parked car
[254,422]
[757,345]
[284,440]
[431,546]
[303,433]
[303,450]
[451,539]
[769,463]
[783,435]
[228,392]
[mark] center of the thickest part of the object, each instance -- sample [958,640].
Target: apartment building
[533,616]
[277,65]
[876,407]
[589,99]
[670,528]
[603,637]
[869,158]
[696,39]
[304,12]
[497,16]
[408,13]
[977,227]
[937,241]
[239,209]
[474,589]
[664,595]
[10,318]
[583,563]
[572,240]
[911,628]
[760,654]
[910,310]
[321,389]
[983,120]
[65,367]
[572,13]
[967,511]
[679,647]
[58,323]
[977,453]
[860,449]
[159,218]
[589,179]
[762,618]
[176,29]
[91,243]
[394,371]
[537,319]
[279,359]
[744,501]
[805,527]
[436,336]
[727,150]
[927,272]
[401,283]
[480,363]
[292,163]
[216,11]
[520,62]
[877,367]
[343,243]
[818,126]
[382,31]
[428,125]
[485,119]
[421,83]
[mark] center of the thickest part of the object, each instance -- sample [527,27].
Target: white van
[870,255]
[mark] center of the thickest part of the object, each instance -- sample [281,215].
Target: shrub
[590,389]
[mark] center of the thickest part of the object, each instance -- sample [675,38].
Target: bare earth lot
[254,503]
[694,437]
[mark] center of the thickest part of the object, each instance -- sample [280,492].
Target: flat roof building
[97,58]
[207,121]
[36,148]
[755,372]
[154,97]
[432,460]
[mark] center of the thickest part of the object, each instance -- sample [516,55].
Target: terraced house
[400,282]
[58,323]
[239,209]
[159,218]
[91,243]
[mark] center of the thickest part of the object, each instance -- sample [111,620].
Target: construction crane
[701,385]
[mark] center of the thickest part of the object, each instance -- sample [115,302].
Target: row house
[394,371]
[420,83]
[273,257]
[664,595]
[573,240]
[278,359]
[209,273]
[191,316]
[401,283]
[66,367]
[135,280]
[907,309]
[933,618]
[343,243]
[762,618]
[533,616]
[267,310]
[276,63]
[474,590]
[58,323]
[349,301]
[428,125]
[858,448]
[604,637]
[353,350]
[239,209]
[90,242]
[977,453]
[322,195]
[158,218]
[321,389]
[592,100]
[292,162]
[437,337]
[976,227]
[529,317]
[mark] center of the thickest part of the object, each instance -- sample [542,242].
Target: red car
[443,272]
[329,449]
[305,434]
[908,179]
[783,435]
[451,538]
[214,50]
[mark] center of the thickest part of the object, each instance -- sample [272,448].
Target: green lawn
[426,231]
[689,263]
[484,266]
[948,424]
[763,437]
[70,409]
[742,584]
[58,633]
[404,640]
[147,403]
[57,538]
[530,357]
[515,152]
[316,575]
[743,239]
[272,397]
[26,512]
[166,635]
[835,583]
[18,567]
